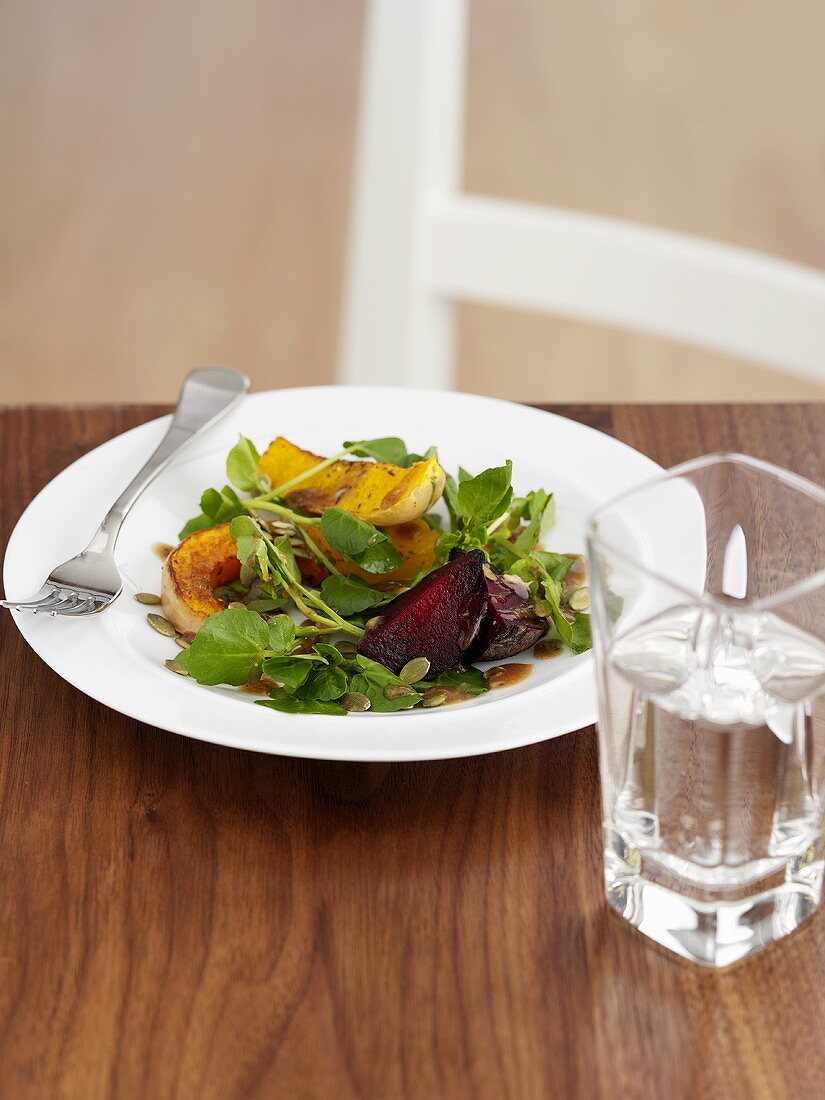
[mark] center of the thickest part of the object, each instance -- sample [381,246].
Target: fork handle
[208,393]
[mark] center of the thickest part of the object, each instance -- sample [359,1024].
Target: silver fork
[89,582]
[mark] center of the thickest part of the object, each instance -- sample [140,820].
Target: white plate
[117,659]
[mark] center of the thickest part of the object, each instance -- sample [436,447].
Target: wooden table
[183,920]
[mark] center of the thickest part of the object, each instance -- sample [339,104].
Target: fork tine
[84,607]
[66,604]
[42,604]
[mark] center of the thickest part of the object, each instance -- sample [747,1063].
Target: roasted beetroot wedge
[510,624]
[438,619]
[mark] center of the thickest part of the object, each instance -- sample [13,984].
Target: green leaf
[349,595]
[552,593]
[451,499]
[282,556]
[371,679]
[470,680]
[554,565]
[331,654]
[325,682]
[228,648]
[242,465]
[289,704]
[281,634]
[487,496]
[291,671]
[539,511]
[359,542]
[431,452]
[217,506]
[389,449]
[197,523]
[581,639]
[251,547]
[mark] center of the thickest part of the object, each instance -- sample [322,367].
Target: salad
[369,580]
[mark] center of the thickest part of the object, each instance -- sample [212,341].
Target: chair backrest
[418,243]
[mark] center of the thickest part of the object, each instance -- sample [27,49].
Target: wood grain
[181,920]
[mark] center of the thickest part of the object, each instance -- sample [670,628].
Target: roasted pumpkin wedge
[207,559]
[376,492]
[191,573]
[414,541]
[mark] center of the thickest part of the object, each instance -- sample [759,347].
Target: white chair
[418,243]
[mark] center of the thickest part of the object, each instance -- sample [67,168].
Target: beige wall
[174,180]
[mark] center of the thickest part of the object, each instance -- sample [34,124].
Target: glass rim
[706,599]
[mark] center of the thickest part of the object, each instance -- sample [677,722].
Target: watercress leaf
[581,639]
[325,682]
[266,604]
[292,671]
[487,496]
[451,499]
[331,654]
[197,523]
[359,542]
[217,506]
[431,452]
[372,678]
[388,449]
[228,648]
[349,595]
[470,680]
[552,593]
[464,475]
[556,566]
[282,557]
[242,465]
[251,546]
[211,501]
[281,635]
[289,704]
[539,511]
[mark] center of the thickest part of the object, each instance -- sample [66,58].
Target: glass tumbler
[708,601]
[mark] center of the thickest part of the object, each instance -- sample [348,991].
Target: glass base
[713,928]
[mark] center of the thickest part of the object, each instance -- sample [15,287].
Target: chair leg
[397,329]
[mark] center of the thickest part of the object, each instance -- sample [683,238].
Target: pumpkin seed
[488,572]
[397,691]
[434,697]
[147,597]
[173,666]
[414,670]
[161,625]
[234,604]
[354,701]
[375,621]
[182,642]
[580,599]
[543,608]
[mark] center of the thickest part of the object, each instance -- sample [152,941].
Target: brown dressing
[504,676]
[546,651]
[259,687]
[162,550]
[455,695]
